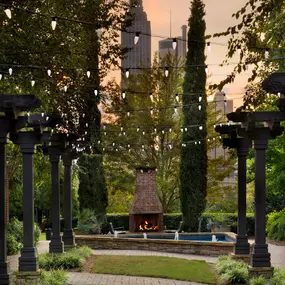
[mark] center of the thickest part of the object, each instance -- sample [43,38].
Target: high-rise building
[139,54]
[165,46]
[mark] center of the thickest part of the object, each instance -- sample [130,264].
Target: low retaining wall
[184,247]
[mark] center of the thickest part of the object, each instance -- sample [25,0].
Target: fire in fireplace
[146,212]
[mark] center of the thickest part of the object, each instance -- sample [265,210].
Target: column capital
[54,157]
[67,159]
[260,144]
[26,140]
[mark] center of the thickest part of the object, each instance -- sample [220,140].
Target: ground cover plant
[69,260]
[155,266]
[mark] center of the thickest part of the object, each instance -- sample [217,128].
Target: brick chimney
[146,206]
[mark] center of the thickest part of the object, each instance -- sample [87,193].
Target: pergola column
[68,234]
[28,261]
[260,256]
[56,244]
[4,265]
[242,245]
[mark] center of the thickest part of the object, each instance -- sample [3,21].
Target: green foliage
[257,281]
[278,277]
[193,167]
[88,223]
[72,259]
[275,225]
[232,272]
[54,277]
[15,236]
[92,188]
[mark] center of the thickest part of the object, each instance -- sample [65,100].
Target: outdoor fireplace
[146,213]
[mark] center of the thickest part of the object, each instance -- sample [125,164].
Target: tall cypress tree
[193,168]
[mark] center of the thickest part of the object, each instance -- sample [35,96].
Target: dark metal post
[260,256]
[242,245]
[68,234]
[4,265]
[56,244]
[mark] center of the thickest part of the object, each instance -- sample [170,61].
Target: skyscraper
[139,54]
[165,46]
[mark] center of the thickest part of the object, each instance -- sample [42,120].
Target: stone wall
[185,247]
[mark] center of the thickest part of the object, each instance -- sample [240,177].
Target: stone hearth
[146,212]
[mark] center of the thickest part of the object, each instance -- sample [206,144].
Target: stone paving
[82,278]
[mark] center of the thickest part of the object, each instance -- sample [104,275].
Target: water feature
[176,236]
[214,238]
[144,235]
[115,234]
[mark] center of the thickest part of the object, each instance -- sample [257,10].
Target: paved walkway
[81,278]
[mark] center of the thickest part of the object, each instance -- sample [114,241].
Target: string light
[239,50]
[177,97]
[10,71]
[151,111]
[201,128]
[166,71]
[199,107]
[206,69]
[49,72]
[96,92]
[279,94]
[33,82]
[170,130]
[136,38]
[127,73]
[200,98]
[88,73]
[128,113]
[7,11]
[266,53]
[175,109]
[65,88]
[0,76]
[53,23]
[209,47]
[174,43]
[124,94]
[138,129]
[151,97]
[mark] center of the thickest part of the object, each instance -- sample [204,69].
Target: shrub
[88,223]
[257,281]
[54,277]
[15,236]
[278,277]
[232,272]
[275,225]
[68,260]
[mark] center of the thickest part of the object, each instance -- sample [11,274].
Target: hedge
[171,221]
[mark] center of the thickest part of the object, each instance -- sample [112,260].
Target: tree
[193,168]
[57,62]
[150,135]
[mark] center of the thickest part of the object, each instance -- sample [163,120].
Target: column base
[5,275]
[242,246]
[68,238]
[266,272]
[28,261]
[260,256]
[56,244]
[241,257]
[33,277]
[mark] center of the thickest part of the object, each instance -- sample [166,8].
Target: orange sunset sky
[218,18]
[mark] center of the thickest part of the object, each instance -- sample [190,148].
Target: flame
[146,226]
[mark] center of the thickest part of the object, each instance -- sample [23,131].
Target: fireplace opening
[147,223]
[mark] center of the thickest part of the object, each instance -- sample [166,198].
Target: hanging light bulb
[170,130]
[83,116]
[251,98]
[113,144]
[47,118]
[214,126]
[86,125]
[151,111]
[33,82]
[122,128]
[182,130]
[174,43]
[49,72]
[155,130]
[127,73]
[42,114]
[129,146]
[65,88]
[105,133]
[138,129]
[177,97]
[128,113]
[279,94]
[266,53]
[0,76]
[201,128]
[143,133]
[170,146]
[199,107]
[136,38]
[206,69]
[88,73]
[124,133]
[142,147]
[10,71]
[195,142]
[7,11]
[96,92]
[166,71]
[225,103]
[28,113]
[99,142]
[124,94]
[99,31]
[151,96]
[268,95]
[103,149]
[53,23]
[199,142]
[209,47]
[85,133]
[163,132]
[239,50]
[186,129]
[175,109]
[200,98]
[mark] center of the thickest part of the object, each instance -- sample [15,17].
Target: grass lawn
[155,266]
[42,236]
